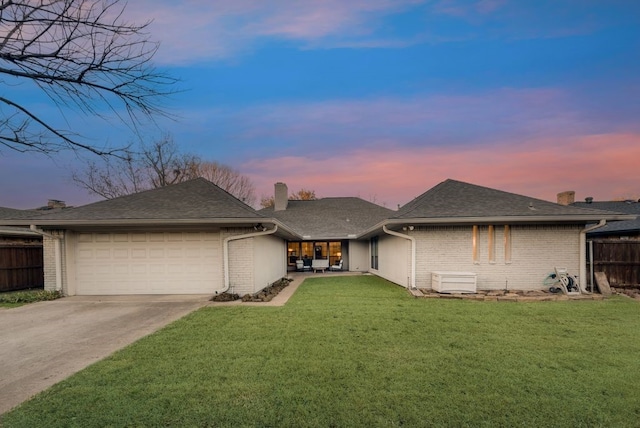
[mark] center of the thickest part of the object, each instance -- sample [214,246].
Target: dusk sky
[383,99]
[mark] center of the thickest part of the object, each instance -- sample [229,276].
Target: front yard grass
[358,351]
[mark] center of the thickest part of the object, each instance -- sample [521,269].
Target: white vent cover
[453,282]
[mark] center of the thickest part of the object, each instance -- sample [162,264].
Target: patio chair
[337,266]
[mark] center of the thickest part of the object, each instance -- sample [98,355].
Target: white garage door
[148,263]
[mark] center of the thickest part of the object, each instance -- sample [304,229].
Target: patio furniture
[337,266]
[320,265]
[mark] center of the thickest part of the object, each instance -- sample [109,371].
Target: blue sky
[384,99]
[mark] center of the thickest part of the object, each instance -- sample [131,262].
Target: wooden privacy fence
[619,260]
[21,267]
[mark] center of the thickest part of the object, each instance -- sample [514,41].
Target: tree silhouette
[85,57]
[158,164]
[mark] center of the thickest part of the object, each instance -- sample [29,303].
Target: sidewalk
[283,297]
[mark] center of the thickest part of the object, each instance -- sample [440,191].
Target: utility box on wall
[453,282]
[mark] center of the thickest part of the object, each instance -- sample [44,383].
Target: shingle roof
[455,199]
[13,214]
[331,218]
[617,227]
[194,199]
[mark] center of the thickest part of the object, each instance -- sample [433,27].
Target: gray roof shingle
[194,199]
[616,227]
[14,214]
[330,218]
[456,199]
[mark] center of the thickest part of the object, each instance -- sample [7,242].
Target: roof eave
[553,218]
[220,222]
[444,221]
[18,232]
[327,237]
[145,221]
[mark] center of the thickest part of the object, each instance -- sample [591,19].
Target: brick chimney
[567,198]
[53,204]
[281,197]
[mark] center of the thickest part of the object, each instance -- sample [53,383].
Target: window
[335,252]
[320,250]
[331,250]
[307,250]
[374,253]
[293,252]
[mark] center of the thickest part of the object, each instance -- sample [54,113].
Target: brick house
[194,238]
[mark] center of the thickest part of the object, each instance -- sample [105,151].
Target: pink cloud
[602,166]
[323,126]
[222,28]
[193,30]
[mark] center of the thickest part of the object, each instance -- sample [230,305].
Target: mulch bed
[631,291]
[264,295]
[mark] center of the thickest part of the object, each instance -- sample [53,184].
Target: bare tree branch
[84,56]
[228,179]
[157,165]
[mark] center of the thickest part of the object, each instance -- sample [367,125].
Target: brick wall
[269,261]
[49,255]
[240,261]
[535,250]
[394,259]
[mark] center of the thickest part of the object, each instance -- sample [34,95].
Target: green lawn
[358,351]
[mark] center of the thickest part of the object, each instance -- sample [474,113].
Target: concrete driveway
[43,343]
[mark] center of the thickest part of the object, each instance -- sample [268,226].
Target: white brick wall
[49,256]
[535,250]
[240,261]
[394,259]
[269,261]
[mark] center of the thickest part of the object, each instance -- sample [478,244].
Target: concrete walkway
[284,295]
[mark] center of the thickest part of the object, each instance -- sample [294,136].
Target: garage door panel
[174,237]
[102,254]
[102,237]
[156,253]
[148,263]
[120,253]
[156,237]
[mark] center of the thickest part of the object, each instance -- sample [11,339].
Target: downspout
[57,255]
[583,253]
[225,252]
[413,252]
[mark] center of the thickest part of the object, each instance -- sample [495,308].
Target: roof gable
[193,199]
[456,199]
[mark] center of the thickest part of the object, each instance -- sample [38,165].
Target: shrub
[29,296]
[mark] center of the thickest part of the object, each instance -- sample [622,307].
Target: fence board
[21,267]
[619,260]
